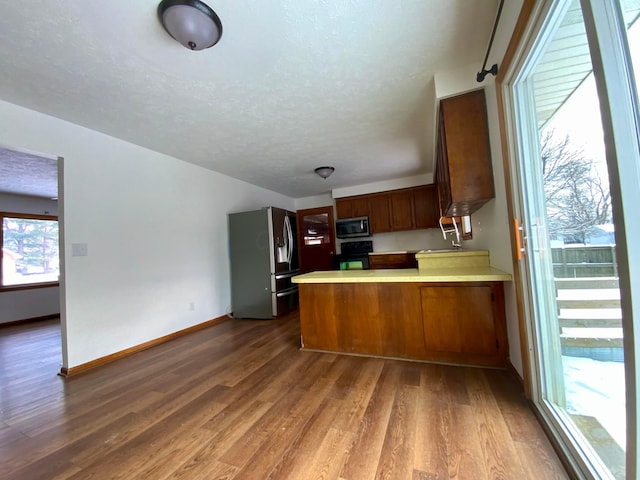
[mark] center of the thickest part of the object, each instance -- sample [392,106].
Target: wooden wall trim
[68,372]
[28,286]
[516,38]
[35,216]
[13,323]
[515,374]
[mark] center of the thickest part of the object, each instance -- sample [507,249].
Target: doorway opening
[32,270]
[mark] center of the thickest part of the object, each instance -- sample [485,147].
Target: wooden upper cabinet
[426,210]
[394,210]
[360,206]
[350,207]
[379,213]
[463,167]
[343,208]
[402,216]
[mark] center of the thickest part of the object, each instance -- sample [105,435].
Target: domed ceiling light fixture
[324,172]
[191,22]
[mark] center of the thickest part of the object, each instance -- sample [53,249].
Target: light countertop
[458,274]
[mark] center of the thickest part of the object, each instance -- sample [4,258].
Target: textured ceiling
[291,85]
[28,174]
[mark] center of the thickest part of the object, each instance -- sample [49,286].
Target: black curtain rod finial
[493,71]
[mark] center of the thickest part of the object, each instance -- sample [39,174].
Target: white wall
[314,201]
[156,230]
[409,240]
[26,204]
[392,184]
[27,304]
[32,303]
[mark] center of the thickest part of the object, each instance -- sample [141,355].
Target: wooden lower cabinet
[459,319]
[392,260]
[461,323]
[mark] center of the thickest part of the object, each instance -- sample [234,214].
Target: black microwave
[353,227]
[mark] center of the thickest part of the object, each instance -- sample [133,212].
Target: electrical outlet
[192,306]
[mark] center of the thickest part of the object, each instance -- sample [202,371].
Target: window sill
[28,286]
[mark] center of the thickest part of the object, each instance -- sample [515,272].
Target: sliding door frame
[612,69]
[621,125]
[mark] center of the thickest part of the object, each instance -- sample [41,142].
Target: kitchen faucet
[456,243]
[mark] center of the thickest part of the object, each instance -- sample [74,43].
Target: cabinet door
[360,206]
[395,210]
[350,207]
[401,202]
[379,213]
[459,319]
[344,208]
[442,169]
[425,206]
[464,134]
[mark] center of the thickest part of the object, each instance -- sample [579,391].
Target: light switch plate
[79,249]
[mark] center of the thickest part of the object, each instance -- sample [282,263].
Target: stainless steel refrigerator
[263,257]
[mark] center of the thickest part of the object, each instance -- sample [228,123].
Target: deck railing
[589,317]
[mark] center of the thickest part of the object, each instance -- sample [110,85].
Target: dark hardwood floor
[239,400]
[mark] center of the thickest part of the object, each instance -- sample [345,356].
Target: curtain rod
[494,69]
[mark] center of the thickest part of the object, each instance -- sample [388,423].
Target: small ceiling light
[324,172]
[190,22]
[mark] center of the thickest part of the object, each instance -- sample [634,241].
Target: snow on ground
[597,389]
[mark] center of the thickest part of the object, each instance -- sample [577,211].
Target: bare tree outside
[578,199]
[29,250]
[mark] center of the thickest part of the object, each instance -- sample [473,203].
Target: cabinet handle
[519,229]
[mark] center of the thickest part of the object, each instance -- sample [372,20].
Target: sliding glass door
[572,128]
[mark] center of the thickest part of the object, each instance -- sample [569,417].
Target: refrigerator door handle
[286,233]
[290,241]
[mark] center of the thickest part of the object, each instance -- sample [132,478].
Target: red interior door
[316,239]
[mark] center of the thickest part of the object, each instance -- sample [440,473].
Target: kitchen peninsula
[450,309]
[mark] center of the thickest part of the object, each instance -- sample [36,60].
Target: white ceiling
[292,84]
[23,173]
